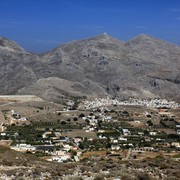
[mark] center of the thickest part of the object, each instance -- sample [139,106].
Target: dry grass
[80,133]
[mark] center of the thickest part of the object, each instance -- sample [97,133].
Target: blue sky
[39,25]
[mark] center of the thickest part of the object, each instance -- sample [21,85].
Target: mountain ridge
[142,67]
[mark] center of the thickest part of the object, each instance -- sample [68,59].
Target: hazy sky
[39,25]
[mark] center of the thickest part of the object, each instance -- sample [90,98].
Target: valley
[95,139]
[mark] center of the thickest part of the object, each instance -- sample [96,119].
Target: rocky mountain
[99,66]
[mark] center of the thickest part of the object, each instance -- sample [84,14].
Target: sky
[40,25]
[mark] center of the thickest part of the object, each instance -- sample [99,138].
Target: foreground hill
[99,66]
[16,165]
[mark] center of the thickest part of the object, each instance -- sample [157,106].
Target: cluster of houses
[153,103]
[151,136]
[61,148]
[56,147]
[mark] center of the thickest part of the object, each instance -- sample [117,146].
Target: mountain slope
[99,66]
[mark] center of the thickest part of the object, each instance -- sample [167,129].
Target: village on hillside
[132,129]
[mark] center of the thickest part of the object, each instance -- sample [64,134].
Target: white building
[23,147]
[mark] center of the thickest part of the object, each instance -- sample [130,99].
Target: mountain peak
[144,36]
[9,45]
[105,35]
[102,36]
[142,39]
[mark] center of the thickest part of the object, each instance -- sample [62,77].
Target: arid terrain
[101,139]
[89,90]
[91,109]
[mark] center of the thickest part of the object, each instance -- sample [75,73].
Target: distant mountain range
[143,67]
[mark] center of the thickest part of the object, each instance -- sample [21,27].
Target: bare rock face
[143,67]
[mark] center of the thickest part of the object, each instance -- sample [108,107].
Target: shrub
[150,123]
[99,177]
[75,119]
[63,123]
[81,115]
[127,176]
[143,176]
[91,114]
